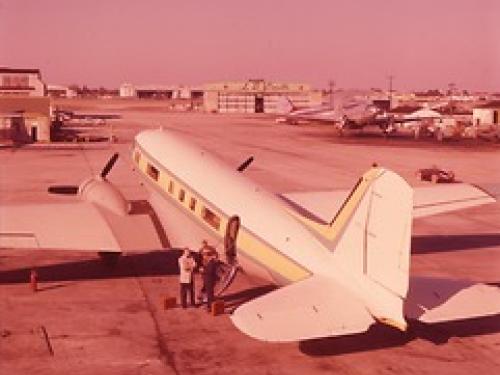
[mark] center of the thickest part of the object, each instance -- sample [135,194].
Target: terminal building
[21,82]
[487,114]
[24,119]
[257,96]
[24,106]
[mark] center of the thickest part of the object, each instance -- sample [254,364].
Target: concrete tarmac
[101,320]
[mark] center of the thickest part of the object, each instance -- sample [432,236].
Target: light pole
[331,86]
[390,78]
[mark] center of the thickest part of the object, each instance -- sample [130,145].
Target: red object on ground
[218,307]
[169,302]
[34,280]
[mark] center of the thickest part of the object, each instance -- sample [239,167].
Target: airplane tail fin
[284,105]
[371,236]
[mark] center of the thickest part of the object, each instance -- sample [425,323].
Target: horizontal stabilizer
[432,200]
[312,308]
[321,206]
[433,300]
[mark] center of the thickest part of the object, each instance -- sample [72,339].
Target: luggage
[218,307]
[169,302]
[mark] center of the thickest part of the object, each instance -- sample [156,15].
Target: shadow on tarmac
[154,263]
[380,336]
[233,300]
[425,244]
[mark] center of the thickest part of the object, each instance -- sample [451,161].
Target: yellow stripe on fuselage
[247,242]
[332,231]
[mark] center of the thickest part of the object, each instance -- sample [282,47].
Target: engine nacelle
[104,194]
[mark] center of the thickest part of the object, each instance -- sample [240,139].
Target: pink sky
[424,44]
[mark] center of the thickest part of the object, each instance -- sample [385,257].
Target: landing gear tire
[108,258]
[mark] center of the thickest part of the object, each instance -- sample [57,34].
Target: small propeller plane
[341,259]
[348,114]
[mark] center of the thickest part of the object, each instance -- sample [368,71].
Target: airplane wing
[427,200]
[311,308]
[75,226]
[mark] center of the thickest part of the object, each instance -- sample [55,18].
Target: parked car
[435,175]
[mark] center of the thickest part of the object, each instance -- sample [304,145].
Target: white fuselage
[194,195]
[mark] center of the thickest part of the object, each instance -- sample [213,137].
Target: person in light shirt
[186,280]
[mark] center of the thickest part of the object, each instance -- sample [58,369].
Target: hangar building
[257,96]
[128,90]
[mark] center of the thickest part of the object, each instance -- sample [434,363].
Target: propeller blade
[63,189]
[245,164]
[109,165]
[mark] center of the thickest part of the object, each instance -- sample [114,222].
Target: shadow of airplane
[425,244]
[381,337]
[233,300]
[153,263]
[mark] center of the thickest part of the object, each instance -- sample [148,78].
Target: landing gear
[109,258]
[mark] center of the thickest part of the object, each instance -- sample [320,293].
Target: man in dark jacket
[210,278]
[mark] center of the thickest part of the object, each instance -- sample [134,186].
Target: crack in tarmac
[162,346]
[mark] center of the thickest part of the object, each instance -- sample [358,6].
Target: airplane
[341,259]
[70,115]
[350,114]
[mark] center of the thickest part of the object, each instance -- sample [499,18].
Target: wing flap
[312,308]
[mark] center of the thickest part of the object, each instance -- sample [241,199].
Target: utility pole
[390,78]
[331,87]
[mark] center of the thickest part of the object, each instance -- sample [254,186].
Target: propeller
[63,189]
[245,164]
[73,189]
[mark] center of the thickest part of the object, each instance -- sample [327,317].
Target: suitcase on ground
[218,307]
[169,302]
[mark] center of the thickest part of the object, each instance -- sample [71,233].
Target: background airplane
[341,268]
[348,113]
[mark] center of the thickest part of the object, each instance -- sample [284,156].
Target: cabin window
[192,204]
[152,172]
[211,218]
[171,187]
[182,195]
[137,157]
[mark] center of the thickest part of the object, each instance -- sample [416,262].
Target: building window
[182,195]
[211,218]
[152,172]
[192,204]
[171,187]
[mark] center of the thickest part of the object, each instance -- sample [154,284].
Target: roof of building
[25,104]
[490,104]
[19,70]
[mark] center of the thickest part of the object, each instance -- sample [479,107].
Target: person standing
[210,278]
[186,268]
